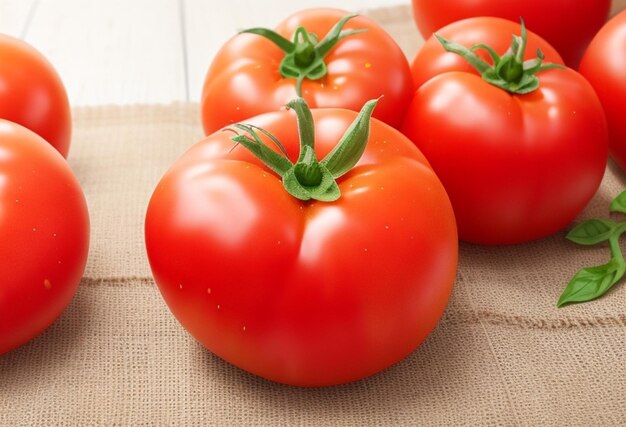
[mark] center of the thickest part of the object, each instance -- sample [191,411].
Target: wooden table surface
[142,51]
[145,51]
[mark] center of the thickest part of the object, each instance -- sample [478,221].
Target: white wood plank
[113,51]
[120,51]
[14,16]
[210,24]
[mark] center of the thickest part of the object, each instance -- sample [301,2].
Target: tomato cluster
[311,237]
[44,221]
[317,244]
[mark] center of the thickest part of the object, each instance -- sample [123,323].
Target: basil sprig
[592,282]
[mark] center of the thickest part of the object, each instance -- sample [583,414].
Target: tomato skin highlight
[44,224]
[567,25]
[304,293]
[516,167]
[604,66]
[244,79]
[32,93]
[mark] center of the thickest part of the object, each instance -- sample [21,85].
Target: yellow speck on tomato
[368,65]
[47,284]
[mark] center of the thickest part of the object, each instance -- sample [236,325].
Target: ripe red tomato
[44,226]
[604,66]
[245,77]
[567,25]
[517,167]
[306,293]
[432,59]
[32,93]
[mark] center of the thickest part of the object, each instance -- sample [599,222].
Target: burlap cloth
[502,354]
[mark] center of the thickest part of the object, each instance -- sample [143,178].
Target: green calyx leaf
[593,282]
[352,144]
[269,157]
[308,178]
[304,56]
[509,71]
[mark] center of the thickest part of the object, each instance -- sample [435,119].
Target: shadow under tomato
[435,376]
[50,352]
[618,173]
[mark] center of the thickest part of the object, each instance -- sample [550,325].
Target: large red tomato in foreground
[310,292]
[44,226]
[520,151]
[32,94]
[251,75]
[604,66]
[568,25]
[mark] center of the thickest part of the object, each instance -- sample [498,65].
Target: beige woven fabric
[502,354]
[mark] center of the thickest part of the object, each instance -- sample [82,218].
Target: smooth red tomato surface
[568,25]
[44,226]
[604,65]
[432,59]
[516,167]
[305,293]
[244,78]
[32,93]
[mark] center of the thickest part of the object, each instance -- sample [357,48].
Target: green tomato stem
[509,71]
[304,56]
[304,53]
[308,178]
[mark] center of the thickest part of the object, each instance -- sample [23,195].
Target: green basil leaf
[619,203]
[591,283]
[592,231]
